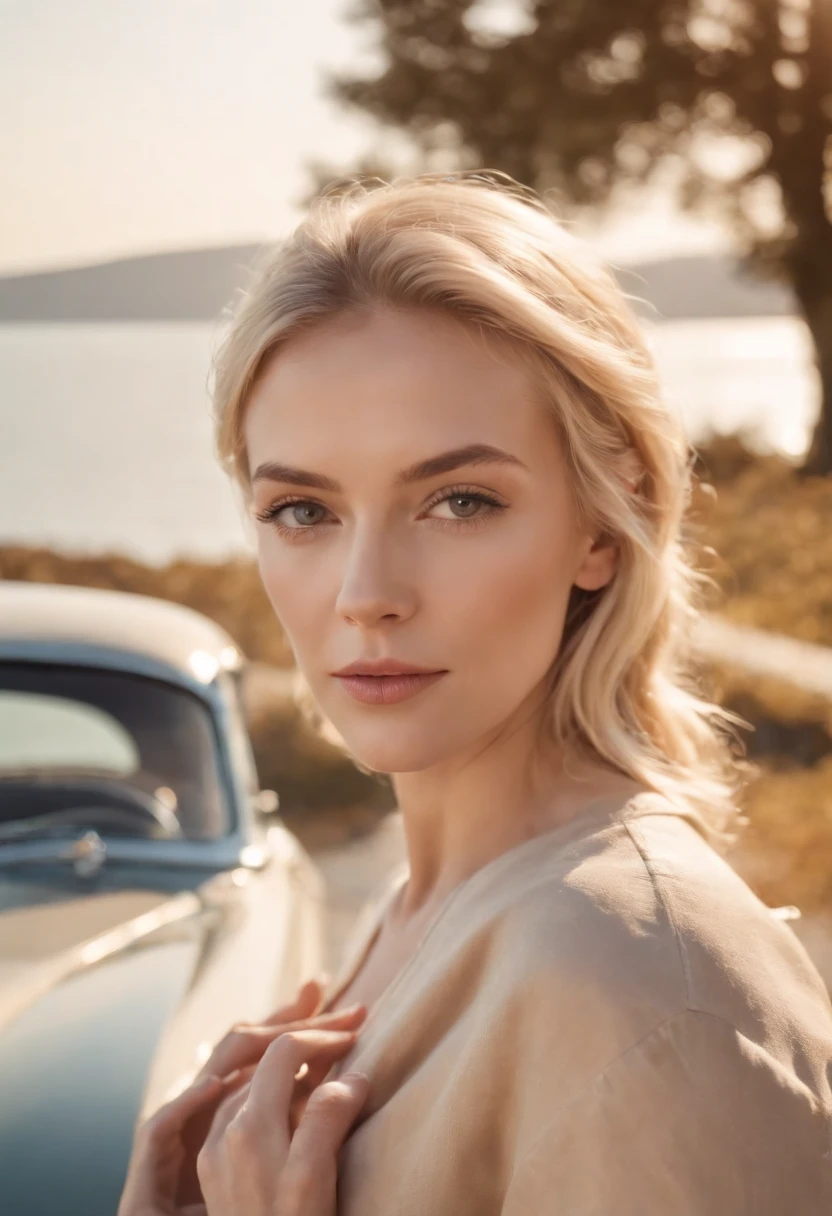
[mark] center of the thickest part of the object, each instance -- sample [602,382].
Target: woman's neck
[461,814]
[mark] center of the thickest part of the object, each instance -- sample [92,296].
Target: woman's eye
[466,506]
[461,505]
[299,514]
[292,516]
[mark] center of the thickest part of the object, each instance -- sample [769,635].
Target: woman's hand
[253,1162]
[158,1153]
[246,1042]
[163,1177]
[244,1045]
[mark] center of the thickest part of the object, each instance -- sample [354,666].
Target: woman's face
[462,566]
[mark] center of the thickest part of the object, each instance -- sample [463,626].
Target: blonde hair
[490,254]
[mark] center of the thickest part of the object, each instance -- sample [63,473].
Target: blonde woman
[470,510]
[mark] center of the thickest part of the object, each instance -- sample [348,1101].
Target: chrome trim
[88,855]
[226,853]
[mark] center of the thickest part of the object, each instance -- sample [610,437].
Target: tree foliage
[584,95]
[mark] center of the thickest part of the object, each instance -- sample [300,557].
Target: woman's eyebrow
[445,462]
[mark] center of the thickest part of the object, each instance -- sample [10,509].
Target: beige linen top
[602,1021]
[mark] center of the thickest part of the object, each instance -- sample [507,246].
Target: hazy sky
[131,127]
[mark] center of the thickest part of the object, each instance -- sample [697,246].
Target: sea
[106,443]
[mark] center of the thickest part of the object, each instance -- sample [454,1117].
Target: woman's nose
[372,586]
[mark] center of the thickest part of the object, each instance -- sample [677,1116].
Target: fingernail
[357,1080]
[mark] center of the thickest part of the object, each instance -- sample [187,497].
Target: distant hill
[714,286]
[194,285]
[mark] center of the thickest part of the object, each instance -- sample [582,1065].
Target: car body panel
[141,628]
[73,1069]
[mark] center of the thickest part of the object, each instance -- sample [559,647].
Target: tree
[583,95]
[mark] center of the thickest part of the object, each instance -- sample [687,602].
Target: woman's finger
[229,1053]
[308,1181]
[246,1149]
[227,1110]
[253,1125]
[212,1159]
[193,1135]
[273,1083]
[245,1043]
[301,1007]
[315,1074]
[169,1119]
[267,1114]
[158,1150]
[337,1019]
[304,1004]
[241,1077]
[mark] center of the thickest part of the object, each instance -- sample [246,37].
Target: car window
[44,731]
[75,735]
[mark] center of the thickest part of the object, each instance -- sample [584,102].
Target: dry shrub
[786,850]
[309,773]
[771,529]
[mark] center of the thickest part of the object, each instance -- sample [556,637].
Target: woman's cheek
[515,575]
[288,591]
[522,606]
[269,573]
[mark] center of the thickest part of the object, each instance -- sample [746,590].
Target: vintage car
[149,894]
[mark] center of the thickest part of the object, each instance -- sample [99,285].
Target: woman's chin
[398,755]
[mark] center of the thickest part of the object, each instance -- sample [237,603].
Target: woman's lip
[387,690]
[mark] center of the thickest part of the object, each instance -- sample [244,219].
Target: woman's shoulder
[646,902]
[642,922]
[665,1024]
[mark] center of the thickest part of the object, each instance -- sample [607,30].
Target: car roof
[34,615]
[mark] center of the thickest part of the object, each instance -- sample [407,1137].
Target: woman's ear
[601,554]
[599,564]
